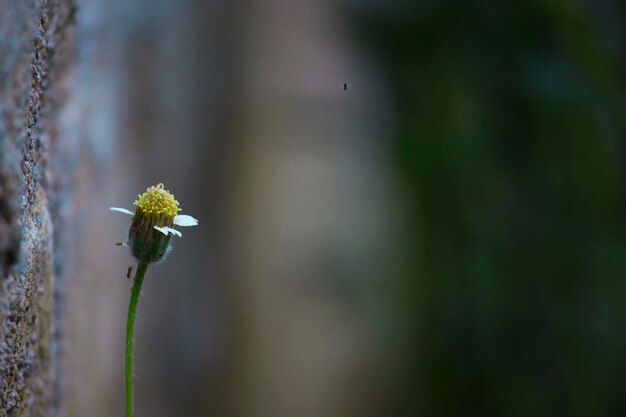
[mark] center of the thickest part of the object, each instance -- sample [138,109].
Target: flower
[156,212]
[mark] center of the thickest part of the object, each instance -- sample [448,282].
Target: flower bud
[154,209]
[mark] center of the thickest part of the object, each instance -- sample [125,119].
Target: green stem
[130,336]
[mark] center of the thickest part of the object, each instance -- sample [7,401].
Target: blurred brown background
[239,108]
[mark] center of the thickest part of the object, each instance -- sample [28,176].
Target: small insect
[130,269]
[347,86]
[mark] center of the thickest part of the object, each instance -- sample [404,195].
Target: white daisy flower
[156,212]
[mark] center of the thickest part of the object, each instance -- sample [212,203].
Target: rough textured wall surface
[35,184]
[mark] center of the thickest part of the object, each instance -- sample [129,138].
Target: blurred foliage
[509,141]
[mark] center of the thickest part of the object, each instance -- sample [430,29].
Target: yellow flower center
[156,201]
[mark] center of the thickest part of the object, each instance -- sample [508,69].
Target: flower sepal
[148,244]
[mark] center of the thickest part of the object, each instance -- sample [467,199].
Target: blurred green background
[508,141]
[446,237]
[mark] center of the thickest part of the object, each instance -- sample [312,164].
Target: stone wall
[35,202]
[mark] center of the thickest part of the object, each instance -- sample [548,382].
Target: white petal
[166,230]
[163,230]
[122,210]
[184,220]
[174,231]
